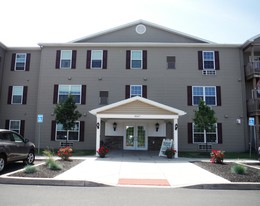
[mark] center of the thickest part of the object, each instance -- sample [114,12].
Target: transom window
[14,125]
[66,90]
[17,95]
[136,59]
[20,61]
[208,60]
[207,94]
[201,136]
[96,59]
[136,90]
[70,135]
[65,60]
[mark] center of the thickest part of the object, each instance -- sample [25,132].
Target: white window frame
[16,61]
[133,95]
[213,60]
[18,130]
[98,59]
[69,91]
[204,95]
[132,59]
[68,132]
[204,135]
[13,89]
[62,58]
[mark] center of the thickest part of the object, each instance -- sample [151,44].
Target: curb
[227,186]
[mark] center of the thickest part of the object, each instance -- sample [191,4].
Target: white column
[98,128]
[175,136]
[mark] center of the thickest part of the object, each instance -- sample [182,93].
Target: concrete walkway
[138,168]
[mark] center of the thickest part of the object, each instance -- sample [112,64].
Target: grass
[53,152]
[238,169]
[29,169]
[53,165]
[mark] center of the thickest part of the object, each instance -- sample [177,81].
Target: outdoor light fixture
[98,125]
[114,126]
[157,126]
[176,126]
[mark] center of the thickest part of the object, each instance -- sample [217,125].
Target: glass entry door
[135,137]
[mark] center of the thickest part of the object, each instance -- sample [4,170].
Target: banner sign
[166,143]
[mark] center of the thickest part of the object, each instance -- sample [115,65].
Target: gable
[129,33]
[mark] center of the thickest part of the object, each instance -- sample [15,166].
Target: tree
[204,118]
[66,113]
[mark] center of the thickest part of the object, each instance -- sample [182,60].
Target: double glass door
[135,137]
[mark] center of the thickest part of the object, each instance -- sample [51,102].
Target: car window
[7,136]
[17,138]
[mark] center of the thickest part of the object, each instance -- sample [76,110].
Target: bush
[65,153]
[53,165]
[29,169]
[48,153]
[238,169]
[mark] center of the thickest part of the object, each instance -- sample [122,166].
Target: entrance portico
[136,119]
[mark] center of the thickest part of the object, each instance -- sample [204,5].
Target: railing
[253,106]
[253,68]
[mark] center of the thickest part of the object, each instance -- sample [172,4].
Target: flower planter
[102,156]
[169,156]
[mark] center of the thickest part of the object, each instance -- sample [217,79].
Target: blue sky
[29,22]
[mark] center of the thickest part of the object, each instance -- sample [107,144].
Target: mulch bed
[45,172]
[224,170]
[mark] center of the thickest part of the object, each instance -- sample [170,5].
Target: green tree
[66,113]
[204,118]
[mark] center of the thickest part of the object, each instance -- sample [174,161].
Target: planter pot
[102,156]
[169,156]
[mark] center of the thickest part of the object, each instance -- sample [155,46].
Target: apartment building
[134,86]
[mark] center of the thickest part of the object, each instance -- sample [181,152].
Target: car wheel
[2,163]
[30,158]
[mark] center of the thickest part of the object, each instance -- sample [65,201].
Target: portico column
[175,136]
[98,128]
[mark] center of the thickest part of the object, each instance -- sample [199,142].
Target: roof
[140,99]
[251,40]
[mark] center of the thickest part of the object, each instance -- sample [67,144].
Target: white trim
[203,60]
[204,96]
[62,140]
[131,59]
[70,85]
[12,98]
[136,86]
[19,129]
[101,66]
[136,116]
[70,59]
[15,65]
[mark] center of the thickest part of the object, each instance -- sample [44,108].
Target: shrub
[102,151]
[48,153]
[238,169]
[217,156]
[65,153]
[54,165]
[29,169]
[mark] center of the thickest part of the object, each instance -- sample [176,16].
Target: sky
[29,22]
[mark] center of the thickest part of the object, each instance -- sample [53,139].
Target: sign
[166,143]
[40,118]
[251,121]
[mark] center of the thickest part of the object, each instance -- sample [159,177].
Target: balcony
[253,69]
[253,107]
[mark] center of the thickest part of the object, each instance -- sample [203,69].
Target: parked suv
[13,147]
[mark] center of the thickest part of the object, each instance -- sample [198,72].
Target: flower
[170,151]
[65,152]
[102,151]
[217,156]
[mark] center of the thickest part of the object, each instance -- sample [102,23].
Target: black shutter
[220,138]
[74,59]
[189,95]
[218,88]
[7,122]
[82,131]
[127,91]
[55,94]
[25,91]
[88,63]
[144,91]
[13,61]
[22,126]
[83,94]
[28,59]
[128,59]
[144,59]
[104,59]
[53,130]
[200,60]
[57,65]
[190,133]
[9,98]
[217,60]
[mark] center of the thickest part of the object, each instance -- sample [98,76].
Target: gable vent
[140,29]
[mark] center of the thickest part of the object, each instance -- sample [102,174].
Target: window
[65,60]
[20,61]
[136,59]
[201,136]
[103,95]
[14,125]
[170,62]
[65,90]
[208,60]
[207,94]
[70,135]
[17,95]
[136,90]
[96,59]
